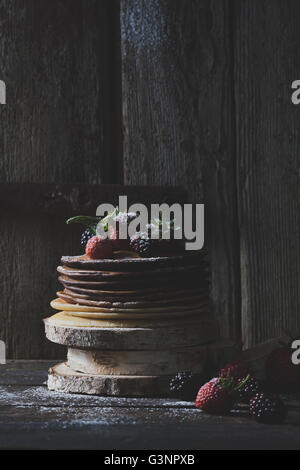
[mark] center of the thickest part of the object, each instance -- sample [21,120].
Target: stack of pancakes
[130,323]
[131,287]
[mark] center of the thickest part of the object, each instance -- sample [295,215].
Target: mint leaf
[89,222]
[105,221]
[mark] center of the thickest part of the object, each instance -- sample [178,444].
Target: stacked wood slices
[130,323]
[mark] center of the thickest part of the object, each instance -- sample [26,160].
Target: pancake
[129,284]
[133,304]
[101,285]
[134,296]
[127,261]
[108,276]
[132,284]
[67,320]
[133,316]
[60,304]
[131,292]
[92,293]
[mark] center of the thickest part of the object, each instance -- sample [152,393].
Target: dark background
[192,93]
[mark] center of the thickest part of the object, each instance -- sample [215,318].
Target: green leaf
[87,221]
[243,382]
[84,219]
[104,222]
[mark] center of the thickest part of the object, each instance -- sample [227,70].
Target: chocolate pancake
[161,290]
[108,276]
[78,299]
[127,261]
[133,284]
[126,297]
[136,316]
[144,310]
[128,283]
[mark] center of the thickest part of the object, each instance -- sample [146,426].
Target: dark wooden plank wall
[206,103]
[178,119]
[61,124]
[267,61]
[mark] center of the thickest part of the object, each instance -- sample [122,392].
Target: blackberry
[267,408]
[85,237]
[185,385]
[249,389]
[144,246]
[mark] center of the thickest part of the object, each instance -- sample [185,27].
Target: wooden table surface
[31,417]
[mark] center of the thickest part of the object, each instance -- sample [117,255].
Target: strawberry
[237,370]
[218,395]
[99,248]
[280,372]
[214,398]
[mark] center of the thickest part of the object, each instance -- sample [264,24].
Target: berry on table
[267,408]
[185,385]
[99,248]
[219,395]
[237,370]
[214,398]
[249,389]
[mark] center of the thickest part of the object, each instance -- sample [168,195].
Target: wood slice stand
[128,336]
[131,361]
[64,379]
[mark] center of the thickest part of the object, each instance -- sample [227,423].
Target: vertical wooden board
[30,251]
[61,124]
[56,60]
[178,121]
[266,62]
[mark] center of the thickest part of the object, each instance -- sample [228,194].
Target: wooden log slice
[190,333]
[62,378]
[145,362]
